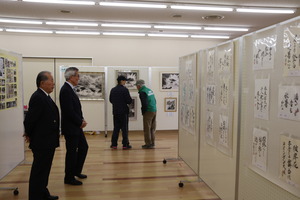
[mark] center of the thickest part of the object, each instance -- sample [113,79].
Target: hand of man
[84,123]
[26,137]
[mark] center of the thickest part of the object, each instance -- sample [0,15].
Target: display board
[11,112]
[188,142]
[271,90]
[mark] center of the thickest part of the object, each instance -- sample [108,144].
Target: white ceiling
[100,14]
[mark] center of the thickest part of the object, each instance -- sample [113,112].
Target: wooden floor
[118,174]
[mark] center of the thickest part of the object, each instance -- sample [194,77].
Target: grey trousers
[149,120]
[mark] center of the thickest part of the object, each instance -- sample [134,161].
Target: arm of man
[128,97]
[144,101]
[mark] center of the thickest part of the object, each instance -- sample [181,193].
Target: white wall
[111,51]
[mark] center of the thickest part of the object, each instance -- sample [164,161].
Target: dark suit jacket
[71,114]
[42,122]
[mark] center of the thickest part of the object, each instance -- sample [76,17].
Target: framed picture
[132,77]
[132,109]
[170,104]
[91,86]
[169,81]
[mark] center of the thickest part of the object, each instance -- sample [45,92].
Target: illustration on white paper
[261,98]
[210,63]
[211,94]
[224,92]
[264,52]
[189,68]
[260,148]
[291,51]
[288,100]
[225,60]
[209,125]
[289,160]
[192,120]
[184,91]
[223,130]
[191,92]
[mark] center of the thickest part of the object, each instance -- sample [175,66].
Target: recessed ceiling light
[213,17]
[266,10]
[168,35]
[27,31]
[62,2]
[203,8]
[210,36]
[77,32]
[20,21]
[126,25]
[123,34]
[225,29]
[178,27]
[71,23]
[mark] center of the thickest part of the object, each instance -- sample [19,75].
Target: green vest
[150,97]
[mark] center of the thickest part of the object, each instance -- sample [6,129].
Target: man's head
[45,81]
[72,76]
[121,80]
[139,83]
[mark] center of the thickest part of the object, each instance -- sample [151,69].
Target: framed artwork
[91,86]
[170,104]
[169,81]
[133,109]
[132,76]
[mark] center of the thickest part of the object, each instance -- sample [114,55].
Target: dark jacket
[120,99]
[42,122]
[71,113]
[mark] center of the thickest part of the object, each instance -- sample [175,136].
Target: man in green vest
[148,102]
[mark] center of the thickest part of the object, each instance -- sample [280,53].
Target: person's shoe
[127,147]
[113,147]
[82,176]
[147,146]
[51,197]
[73,182]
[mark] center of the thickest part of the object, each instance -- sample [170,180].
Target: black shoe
[127,147]
[73,182]
[147,146]
[113,147]
[51,197]
[82,176]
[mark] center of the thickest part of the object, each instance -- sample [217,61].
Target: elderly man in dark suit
[72,123]
[42,131]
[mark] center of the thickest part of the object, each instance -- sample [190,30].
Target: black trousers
[77,148]
[39,175]
[120,123]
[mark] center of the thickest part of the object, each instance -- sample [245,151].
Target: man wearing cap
[120,99]
[148,102]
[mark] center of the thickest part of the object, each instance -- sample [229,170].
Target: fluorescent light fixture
[126,25]
[20,21]
[210,36]
[203,8]
[266,10]
[167,35]
[1,29]
[62,2]
[178,27]
[77,32]
[123,34]
[224,29]
[71,23]
[134,5]
[27,31]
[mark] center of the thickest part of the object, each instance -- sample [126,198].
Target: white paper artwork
[210,63]
[225,60]
[224,92]
[261,98]
[289,160]
[209,125]
[211,94]
[223,130]
[191,92]
[264,52]
[288,102]
[260,148]
[291,51]
[189,68]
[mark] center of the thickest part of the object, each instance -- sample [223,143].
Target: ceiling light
[224,29]
[127,25]
[178,27]
[207,8]
[210,36]
[28,31]
[20,21]
[1,29]
[124,34]
[266,10]
[135,5]
[167,35]
[71,23]
[77,32]
[62,2]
